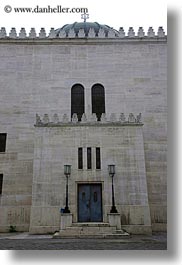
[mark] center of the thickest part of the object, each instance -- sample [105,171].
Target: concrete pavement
[24,241]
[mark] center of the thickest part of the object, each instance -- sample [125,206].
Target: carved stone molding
[81,34]
[89,119]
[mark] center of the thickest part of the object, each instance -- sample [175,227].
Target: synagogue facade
[83,129]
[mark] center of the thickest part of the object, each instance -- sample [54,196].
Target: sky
[115,13]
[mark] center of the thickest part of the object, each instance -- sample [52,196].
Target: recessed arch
[77,100]
[98,100]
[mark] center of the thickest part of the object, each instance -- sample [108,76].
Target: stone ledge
[138,229]
[82,41]
[38,230]
[90,224]
[89,120]
[88,124]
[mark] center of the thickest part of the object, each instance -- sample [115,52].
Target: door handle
[88,204]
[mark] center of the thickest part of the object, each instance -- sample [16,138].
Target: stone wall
[37,76]
[57,146]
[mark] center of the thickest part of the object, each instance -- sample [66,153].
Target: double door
[89,203]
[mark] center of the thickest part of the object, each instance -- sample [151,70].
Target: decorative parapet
[52,33]
[113,118]
[81,34]
[141,32]
[22,33]
[13,33]
[151,33]
[42,34]
[101,33]
[131,32]
[121,32]
[71,33]
[32,34]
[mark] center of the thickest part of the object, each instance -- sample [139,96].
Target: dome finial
[84,16]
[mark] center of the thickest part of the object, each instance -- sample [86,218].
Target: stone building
[88,96]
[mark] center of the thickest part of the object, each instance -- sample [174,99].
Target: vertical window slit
[98,159]
[3,142]
[80,158]
[89,158]
[1,183]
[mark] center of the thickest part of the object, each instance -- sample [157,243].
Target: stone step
[120,231]
[57,235]
[111,236]
[90,224]
[91,230]
[88,230]
[117,235]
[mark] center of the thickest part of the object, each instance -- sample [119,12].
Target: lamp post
[111,169]
[67,172]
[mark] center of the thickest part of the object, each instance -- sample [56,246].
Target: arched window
[98,100]
[77,100]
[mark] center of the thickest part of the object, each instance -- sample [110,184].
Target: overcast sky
[115,13]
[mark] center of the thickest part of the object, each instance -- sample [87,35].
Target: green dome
[86,26]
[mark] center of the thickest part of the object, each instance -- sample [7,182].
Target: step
[117,235]
[91,230]
[125,235]
[120,231]
[88,230]
[90,224]
[57,235]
